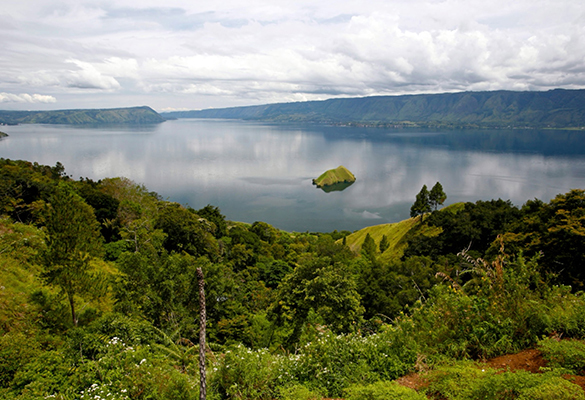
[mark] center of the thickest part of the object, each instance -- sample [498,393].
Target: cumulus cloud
[25,98]
[257,51]
[89,77]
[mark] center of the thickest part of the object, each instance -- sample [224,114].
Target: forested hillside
[132,115]
[555,109]
[99,298]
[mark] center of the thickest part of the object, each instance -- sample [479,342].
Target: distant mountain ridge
[130,115]
[558,108]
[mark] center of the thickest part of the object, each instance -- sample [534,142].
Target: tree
[437,196]
[186,232]
[384,244]
[73,238]
[330,291]
[213,214]
[421,204]
[369,248]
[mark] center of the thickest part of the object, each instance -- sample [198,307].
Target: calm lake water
[263,172]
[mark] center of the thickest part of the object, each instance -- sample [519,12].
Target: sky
[198,54]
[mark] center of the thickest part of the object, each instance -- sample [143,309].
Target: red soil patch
[528,360]
[414,381]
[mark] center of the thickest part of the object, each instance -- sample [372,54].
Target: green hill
[334,176]
[555,108]
[397,233]
[132,115]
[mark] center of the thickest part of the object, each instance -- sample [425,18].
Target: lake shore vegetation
[99,298]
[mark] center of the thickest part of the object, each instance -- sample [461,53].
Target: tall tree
[73,238]
[437,196]
[384,244]
[421,204]
[328,290]
[369,248]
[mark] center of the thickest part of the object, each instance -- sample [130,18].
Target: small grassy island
[3,135]
[335,179]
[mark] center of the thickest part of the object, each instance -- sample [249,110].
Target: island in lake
[336,179]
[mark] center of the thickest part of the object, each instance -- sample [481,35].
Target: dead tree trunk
[202,324]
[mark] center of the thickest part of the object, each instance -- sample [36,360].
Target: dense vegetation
[98,298]
[132,115]
[556,108]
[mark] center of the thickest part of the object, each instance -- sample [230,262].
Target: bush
[567,354]
[298,392]
[332,363]
[470,381]
[246,374]
[382,390]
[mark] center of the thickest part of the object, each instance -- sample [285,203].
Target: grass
[333,176]
[396,233]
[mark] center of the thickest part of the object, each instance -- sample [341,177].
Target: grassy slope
[333,176]
[396,233]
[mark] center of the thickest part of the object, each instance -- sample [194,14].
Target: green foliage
[329,290]
[246,374]
[298,392]
[71,245]
[25,186]
[474,226]
[384,244]
[397,234]
[526,108]
[437,196]
[556,229]
[333,177]
[213,214]
[331,363]
[132,115]
[16,350]
[369,249]
[185,232]
[470,381]
[327,365]
[382,390]
[268,289]
[502,309]
[566,354]
[421,204]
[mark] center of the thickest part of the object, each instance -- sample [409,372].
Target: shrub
[246,374]
[382,390]
[466,380]
[567,354]
[298,392]
[331,363]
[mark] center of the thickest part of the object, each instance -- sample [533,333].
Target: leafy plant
[382,390]
[567,354]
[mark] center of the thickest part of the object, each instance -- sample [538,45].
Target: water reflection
[336,187]
[263,172]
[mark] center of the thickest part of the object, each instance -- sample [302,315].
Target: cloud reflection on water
[263,172]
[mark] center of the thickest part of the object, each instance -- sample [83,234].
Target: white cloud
[89,77]
[233,53]
[25,98]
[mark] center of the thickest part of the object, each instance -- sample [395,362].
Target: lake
[262,172]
